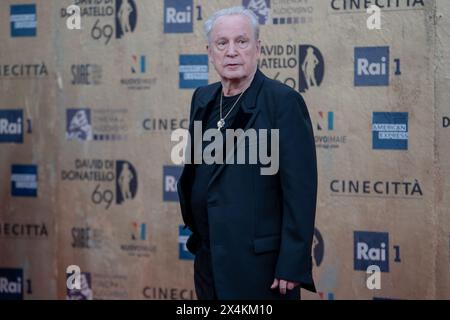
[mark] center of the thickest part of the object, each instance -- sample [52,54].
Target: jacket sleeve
[298,179]
[183,190]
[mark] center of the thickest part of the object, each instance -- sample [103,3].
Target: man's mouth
[232,65]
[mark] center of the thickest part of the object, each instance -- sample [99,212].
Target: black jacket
[261,226]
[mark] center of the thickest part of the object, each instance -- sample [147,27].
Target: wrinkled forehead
[231,27]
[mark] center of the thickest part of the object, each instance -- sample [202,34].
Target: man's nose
[231,50]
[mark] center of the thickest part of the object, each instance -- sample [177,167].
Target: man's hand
[283,284]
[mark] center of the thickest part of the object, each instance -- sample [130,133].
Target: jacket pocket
[267,244]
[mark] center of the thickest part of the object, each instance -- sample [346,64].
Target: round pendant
[220,124]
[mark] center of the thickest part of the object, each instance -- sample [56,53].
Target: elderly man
[251,233]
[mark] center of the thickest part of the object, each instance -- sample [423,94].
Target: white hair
[209,24]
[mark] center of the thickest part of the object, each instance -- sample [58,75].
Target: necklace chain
[221,121]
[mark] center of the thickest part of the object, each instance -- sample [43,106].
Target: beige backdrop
[131,250]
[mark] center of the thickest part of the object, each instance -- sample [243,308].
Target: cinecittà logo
[32,70]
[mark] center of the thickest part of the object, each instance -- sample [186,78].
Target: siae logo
[86,74]
[86,237]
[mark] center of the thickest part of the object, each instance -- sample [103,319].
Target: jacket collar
[248,104]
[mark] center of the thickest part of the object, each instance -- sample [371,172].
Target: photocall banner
[86,117]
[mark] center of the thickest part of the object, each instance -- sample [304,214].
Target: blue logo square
[371,66]
[183,235]
[371,248]
[390,131]
[171,174]
[11,126]
[11,284]
[193,71]
[23,20]
[178,16]
[24,180]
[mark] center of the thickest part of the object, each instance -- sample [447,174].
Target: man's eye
[242,43]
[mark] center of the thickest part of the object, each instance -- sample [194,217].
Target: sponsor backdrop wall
[85,123]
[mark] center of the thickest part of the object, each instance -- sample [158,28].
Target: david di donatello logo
[23,20]
[104,20]
[311,67]
[300,66]
[108,179]
[126,17]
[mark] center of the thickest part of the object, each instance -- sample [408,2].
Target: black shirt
[203,172]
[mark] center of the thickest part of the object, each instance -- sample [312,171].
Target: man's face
[233,49]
